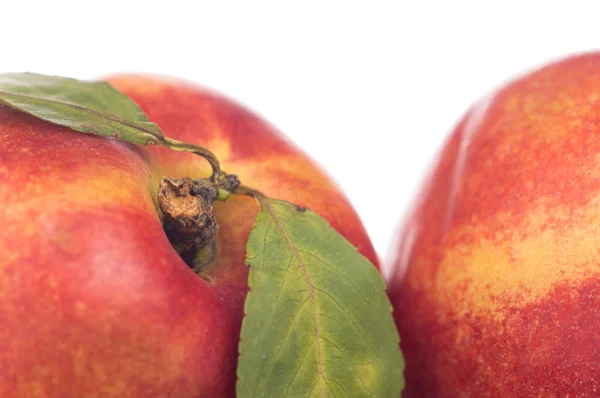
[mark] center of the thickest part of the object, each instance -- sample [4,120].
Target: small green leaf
[89,107]
[318,321]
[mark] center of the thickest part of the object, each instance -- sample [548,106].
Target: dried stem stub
[187,207]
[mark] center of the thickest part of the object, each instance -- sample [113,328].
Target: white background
[370,89]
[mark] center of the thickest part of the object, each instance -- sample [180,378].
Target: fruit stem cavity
[188,219]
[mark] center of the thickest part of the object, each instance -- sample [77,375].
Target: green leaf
[89,107]
[318,321]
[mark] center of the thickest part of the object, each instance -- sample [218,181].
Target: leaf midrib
[108,116]
[311,289]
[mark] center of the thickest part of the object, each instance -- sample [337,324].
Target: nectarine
[496,281]
[94,300]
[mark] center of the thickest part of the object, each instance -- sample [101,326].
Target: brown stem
[247,191]
[197,150]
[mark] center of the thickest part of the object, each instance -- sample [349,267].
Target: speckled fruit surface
[496,281]
[94,301]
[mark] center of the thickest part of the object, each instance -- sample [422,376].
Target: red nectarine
[94,300]
[496,282]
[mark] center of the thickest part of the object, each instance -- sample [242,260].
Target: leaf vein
[349,361]
[337,271]
[311,288]
[287,390]
[351,318]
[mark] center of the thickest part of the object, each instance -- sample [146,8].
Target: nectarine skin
[94,301]
[496,282]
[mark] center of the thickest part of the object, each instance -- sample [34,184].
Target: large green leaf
[318,321]
[89,107]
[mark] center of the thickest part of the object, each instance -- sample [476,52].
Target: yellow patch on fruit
[93,188]
[143,85]
[515,269]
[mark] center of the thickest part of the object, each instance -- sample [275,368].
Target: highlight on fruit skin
[496,275]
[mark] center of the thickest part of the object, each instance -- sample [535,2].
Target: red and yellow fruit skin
[496,282]
[94,302]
